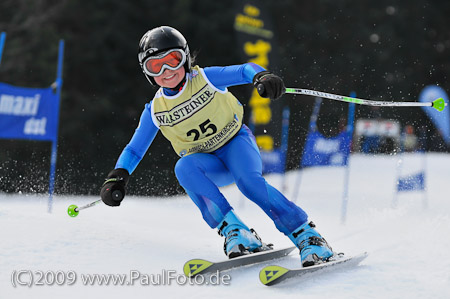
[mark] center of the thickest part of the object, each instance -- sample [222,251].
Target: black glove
[113,189]
[269,85]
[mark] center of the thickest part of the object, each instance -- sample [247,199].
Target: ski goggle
[172,60]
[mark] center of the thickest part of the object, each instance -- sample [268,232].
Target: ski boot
[313,247]
[239,239]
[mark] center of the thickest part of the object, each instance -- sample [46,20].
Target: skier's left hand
[113,189]
[269,85]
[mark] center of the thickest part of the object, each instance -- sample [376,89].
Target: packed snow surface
[405,234]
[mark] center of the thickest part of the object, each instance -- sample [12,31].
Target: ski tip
[270,274]
[359,256]
[354,258]
[439,104]
[195,266]
[364,255]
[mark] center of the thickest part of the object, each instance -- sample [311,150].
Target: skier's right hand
[113,189]
[269,85]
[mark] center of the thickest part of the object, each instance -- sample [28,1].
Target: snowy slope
[407,245]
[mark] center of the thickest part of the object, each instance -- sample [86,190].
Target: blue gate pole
[54,154]
[2,44]
[284,145]
[350,126]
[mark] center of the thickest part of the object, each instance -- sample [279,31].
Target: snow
[407,245]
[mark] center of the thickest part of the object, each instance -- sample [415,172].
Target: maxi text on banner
[28,113]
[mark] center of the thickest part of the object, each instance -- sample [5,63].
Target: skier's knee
[183,167]
[251,185]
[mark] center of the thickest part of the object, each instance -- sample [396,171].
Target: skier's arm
[225,76]
[268,84]
[139,143]
[129,159]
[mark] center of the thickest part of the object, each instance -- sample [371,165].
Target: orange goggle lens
[155,65]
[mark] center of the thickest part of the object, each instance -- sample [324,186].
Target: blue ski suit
[238,161]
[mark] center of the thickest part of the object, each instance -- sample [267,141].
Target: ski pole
[74,210]
[438,104]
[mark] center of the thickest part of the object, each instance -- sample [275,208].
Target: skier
[203,121]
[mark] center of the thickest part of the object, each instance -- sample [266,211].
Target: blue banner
[411,182]
[28,113]
[440,119]
[273,161]
[322,151]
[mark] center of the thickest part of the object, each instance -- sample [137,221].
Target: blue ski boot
[239,239]
[313,247]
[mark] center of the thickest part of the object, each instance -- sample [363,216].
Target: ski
[200,266]
[272,275]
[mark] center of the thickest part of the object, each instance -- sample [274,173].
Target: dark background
[383,50]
